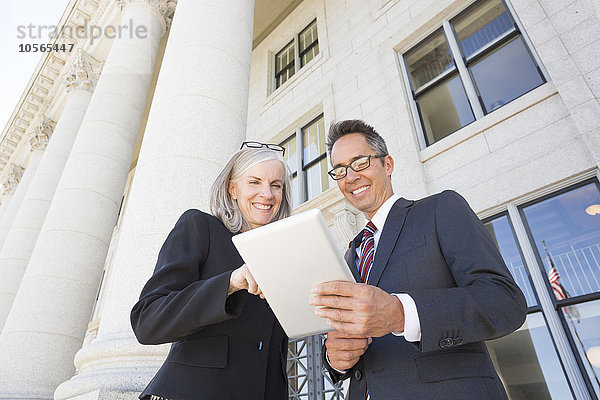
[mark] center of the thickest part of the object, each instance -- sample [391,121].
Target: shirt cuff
[340,371]
[412,325]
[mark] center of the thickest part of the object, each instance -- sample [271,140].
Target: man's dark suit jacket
[226,348]
[437,251]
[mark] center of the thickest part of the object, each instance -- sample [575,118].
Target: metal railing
[579,270]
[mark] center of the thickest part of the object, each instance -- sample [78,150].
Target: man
[433,274]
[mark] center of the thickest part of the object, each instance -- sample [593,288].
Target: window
[526,360]
[307,43]
[305,151]
[563,232]
[474,64]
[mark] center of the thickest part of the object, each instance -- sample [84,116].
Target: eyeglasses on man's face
[258,145]
[357,165]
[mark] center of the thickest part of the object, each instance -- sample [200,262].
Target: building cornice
[44,83]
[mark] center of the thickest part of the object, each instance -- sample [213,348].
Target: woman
[227,342]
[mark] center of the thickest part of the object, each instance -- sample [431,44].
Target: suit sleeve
[336,376]
[175,302]
[487,303]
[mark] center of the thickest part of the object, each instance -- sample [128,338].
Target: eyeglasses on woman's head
[258,145]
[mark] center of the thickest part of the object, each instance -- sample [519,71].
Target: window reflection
[306,156]
[444,109]
[584,323]
[503,235]
[527,363]
[291,153]
[318,180]
[499,68]
[291,158]
[285,64]
[505,74]
[571,237]
[314,160]
[313,140]
[480,25]
[429,60]
[309,43]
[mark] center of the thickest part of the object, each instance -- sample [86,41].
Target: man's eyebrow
[351,161]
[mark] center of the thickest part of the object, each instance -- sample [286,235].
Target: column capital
[12,179]
[345,225]
[166,8]
[82,74]
[40,137]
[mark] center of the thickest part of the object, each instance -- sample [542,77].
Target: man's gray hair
[343,128]
[225,208]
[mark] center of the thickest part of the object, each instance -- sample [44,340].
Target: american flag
[560,293]
[553,277]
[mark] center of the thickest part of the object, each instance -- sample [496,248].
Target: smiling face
[258,192]
[368,189]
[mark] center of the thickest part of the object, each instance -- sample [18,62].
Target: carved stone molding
[166,8]
[40,137]
[345,225]
[12,180]
[596,6]
[82,74]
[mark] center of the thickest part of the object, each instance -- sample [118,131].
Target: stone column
[49,316]
[197,121]
[9,186]
[43,130]
[23,234]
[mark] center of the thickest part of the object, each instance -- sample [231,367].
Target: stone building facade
[116,136]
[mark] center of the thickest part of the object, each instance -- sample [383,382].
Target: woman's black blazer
[223,347]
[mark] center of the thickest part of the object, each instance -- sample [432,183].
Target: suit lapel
[351,256]
[391,230]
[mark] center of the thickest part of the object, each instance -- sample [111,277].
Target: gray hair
[225,208]
[343,128]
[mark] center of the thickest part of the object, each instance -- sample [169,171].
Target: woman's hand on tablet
[241,279]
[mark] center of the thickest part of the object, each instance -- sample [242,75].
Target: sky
[17,68]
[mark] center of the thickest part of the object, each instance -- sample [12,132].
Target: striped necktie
[367,252]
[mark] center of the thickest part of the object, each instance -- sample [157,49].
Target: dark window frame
[465,74]
[297,61]
[302,165]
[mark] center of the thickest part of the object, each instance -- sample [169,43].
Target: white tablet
[287,258]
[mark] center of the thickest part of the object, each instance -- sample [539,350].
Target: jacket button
[259,345]
[446,342]
[458,341]
[357,375]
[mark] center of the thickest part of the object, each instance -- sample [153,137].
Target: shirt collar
[381,215]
